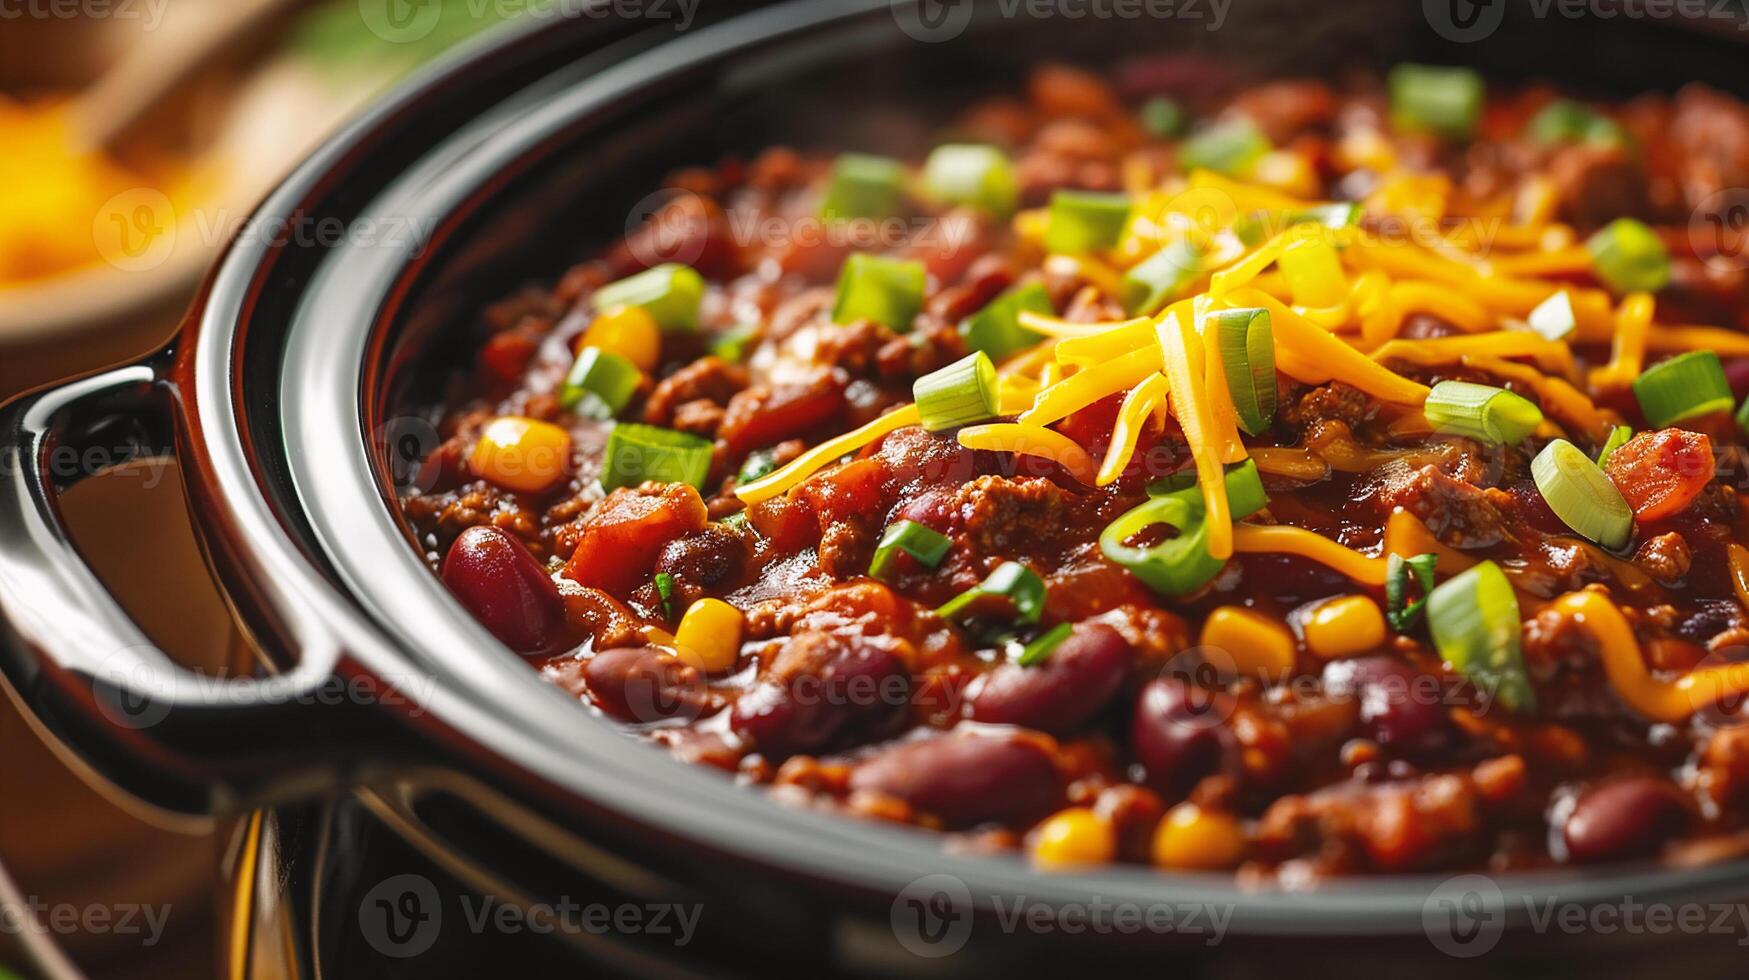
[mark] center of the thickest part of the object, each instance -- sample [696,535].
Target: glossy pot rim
[484,701]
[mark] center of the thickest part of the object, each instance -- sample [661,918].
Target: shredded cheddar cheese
[1338,301]
[1031,440]
[1667,701]
[1138,406]
[1284,540]
[1079,390]
[817,458]
[1182,352]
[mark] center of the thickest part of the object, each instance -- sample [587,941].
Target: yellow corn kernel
[1313,272]
[1194,838]
[628,331]
[522,454]
[1343,627]
[1257,645]
[1287,171]
[1076,836]
[709,636]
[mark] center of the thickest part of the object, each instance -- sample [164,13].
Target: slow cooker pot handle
[180,740]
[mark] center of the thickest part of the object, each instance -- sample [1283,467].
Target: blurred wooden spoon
[157,69]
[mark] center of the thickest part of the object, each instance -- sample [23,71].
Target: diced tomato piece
[1660,473]
[848,492]
[506,355]
[620,543]
[787,522]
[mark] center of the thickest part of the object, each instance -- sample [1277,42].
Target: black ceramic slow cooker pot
[300,391]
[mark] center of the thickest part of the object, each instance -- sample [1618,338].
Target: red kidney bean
[965,778]
[820,690]
[643,684]
[1624,818]
[1134,813]
[506,589]
[1061,694]
[1403,707]
[1179,733]
[1737,376]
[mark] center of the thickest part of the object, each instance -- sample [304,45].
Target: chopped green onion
[736,521]
[1553,318]
[1084,221]
[1482,412]
[863,186]
[996,328]
[1473,618]
[1743,416]
[731,346]
[602,375]
[1629,257]
[1232,148]
[1245,493]
[1179,564]
[1683,387]
[636,453]
[1046,644]
[1160,278]
[874,287]
[1399,612]
[922,543]
[1618,435]
[670,293]
[1444,101]
[665,589]
[971,174]
[759,463]
[1345,214]
[1581,495]
[1566,121]
[1012,580]
[1247,347]
[962,393]
[1160,116]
